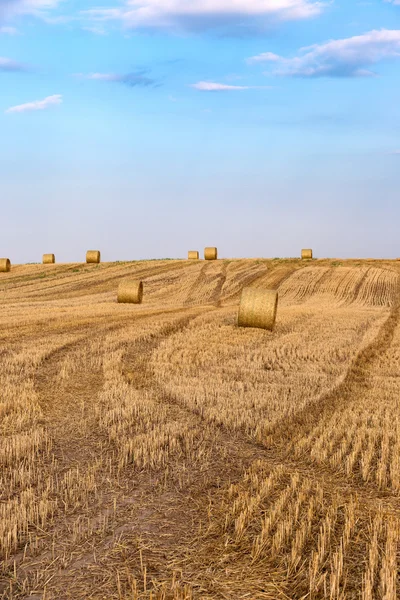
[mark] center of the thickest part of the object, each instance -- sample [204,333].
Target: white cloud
[8,30]
[349,57]
[135,79]
[203,14]
[36,105]
[10,8]
[210,86]
[264,57]
[95,30]
[6,64]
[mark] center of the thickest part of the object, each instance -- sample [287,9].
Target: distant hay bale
[257,308]
[93,256]
[130,291]
[306,253]
[193,255]
[49,259]
[5,265]
[210,253]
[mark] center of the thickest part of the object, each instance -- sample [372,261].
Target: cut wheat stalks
[193,255]
[5,265]
[306,253]
[130,291]
[210,253]
[49,259]
[257,308]
[93,256]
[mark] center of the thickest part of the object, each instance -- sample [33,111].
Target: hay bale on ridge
[193,255]
[5,265]
[257,308]
[210,253]
[130,291]
[49,259]
[306,253]
[93,256]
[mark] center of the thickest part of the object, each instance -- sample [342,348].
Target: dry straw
[49,259]
[306,253]
[5,265]
[258,308]
[193,255]
[93,256]
[210,253]
[130,291]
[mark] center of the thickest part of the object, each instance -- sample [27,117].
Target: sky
[147,128]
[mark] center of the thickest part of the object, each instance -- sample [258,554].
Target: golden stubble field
[159,451]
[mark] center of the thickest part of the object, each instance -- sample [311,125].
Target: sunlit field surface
[159,451]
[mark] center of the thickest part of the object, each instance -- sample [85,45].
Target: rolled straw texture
[130,291]
[306,253]
[257,308]
[93,256]
[210,253]
[49,259]
[5,265]
[193,255]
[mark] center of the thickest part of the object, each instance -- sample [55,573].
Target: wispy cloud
[10,8]
[211,86]
[95,30]
[36,105]
[349,57]
[6,64]
[8,31]
[264,57]
[395,151]
[201,14]
[134,79]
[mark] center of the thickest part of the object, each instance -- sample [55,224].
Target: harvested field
[157,450]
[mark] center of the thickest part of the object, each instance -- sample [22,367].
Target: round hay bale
[130,291]
[49,259]
[193,255]
[93,256]
[306,253]
[257,308]
[5,265]
[210,253]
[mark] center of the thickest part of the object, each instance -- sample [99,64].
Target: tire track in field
[182,511]
[273,279]
[91,282]
[71,448]
[350,388]
[170,509]
[192,294]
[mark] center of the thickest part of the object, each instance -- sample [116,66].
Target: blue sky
[146,128]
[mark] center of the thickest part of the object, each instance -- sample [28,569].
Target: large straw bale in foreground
[210,253]
[306,253]
[258,308]
[5,265]
[130,291]
[49,259]
[93,256]
[193,255]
